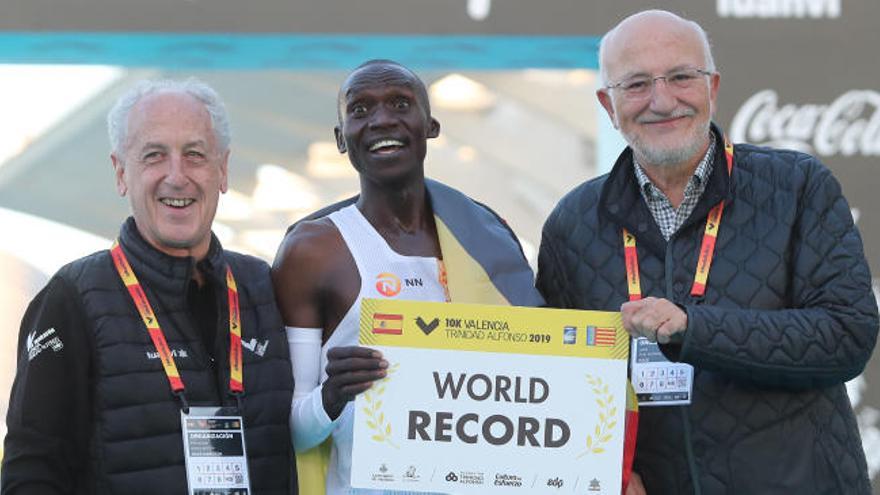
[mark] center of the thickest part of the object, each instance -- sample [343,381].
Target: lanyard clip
[184,405]
[238,394]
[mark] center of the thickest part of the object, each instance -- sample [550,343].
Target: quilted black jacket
[788,317]
[99,418]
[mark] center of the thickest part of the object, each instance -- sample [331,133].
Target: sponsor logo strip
[487,328]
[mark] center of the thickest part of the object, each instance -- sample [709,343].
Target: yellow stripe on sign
[488,328]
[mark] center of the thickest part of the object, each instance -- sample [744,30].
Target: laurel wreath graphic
[376,420]
[605,426]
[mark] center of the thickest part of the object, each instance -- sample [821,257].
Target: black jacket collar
[164,273]
[622,203]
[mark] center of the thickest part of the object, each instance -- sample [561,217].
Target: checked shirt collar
[669,218]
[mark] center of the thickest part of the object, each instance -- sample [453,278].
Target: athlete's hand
[655,319]
[350,371]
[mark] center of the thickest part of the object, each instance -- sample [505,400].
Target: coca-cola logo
[850,125]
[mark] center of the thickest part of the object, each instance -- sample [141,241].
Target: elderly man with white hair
[159,365]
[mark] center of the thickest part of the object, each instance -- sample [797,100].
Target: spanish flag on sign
[387,323]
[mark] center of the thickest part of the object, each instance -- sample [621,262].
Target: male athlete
[400,227]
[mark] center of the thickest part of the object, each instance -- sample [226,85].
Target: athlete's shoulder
[309,242]
[323,212]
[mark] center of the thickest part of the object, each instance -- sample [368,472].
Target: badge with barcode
[216,459]
[656,381]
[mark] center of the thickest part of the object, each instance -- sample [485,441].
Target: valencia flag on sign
[601,336]
[387,323]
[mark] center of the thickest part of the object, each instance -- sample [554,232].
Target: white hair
[704,37]
[117,118]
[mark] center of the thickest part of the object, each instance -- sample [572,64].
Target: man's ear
[607,104]
[433,128]
[119,172]
[340,140]
[224,172]
[714,82]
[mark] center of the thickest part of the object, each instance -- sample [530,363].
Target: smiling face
[670,126]
[173,172]
[384,122]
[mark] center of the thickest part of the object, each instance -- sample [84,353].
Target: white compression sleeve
[309,423]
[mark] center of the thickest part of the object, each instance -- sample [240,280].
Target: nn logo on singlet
[389,284]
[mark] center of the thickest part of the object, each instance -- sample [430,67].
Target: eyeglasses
[638,87]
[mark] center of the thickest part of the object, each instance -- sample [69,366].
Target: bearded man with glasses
[738,272]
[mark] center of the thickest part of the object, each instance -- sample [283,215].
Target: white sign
[530,414]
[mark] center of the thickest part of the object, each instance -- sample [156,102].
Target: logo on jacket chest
[175,353]
[255,346]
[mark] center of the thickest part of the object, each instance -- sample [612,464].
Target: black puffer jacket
[788,317]
[96,415]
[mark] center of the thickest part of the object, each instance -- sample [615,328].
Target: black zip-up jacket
[788,316]
[92,411]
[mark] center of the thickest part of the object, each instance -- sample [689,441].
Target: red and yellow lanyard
[707,248]
[136,291]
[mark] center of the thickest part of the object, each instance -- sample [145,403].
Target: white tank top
[385,274]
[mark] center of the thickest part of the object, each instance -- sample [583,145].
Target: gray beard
[667,157]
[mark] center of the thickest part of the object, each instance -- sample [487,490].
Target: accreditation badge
[213,446]
[657,381]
